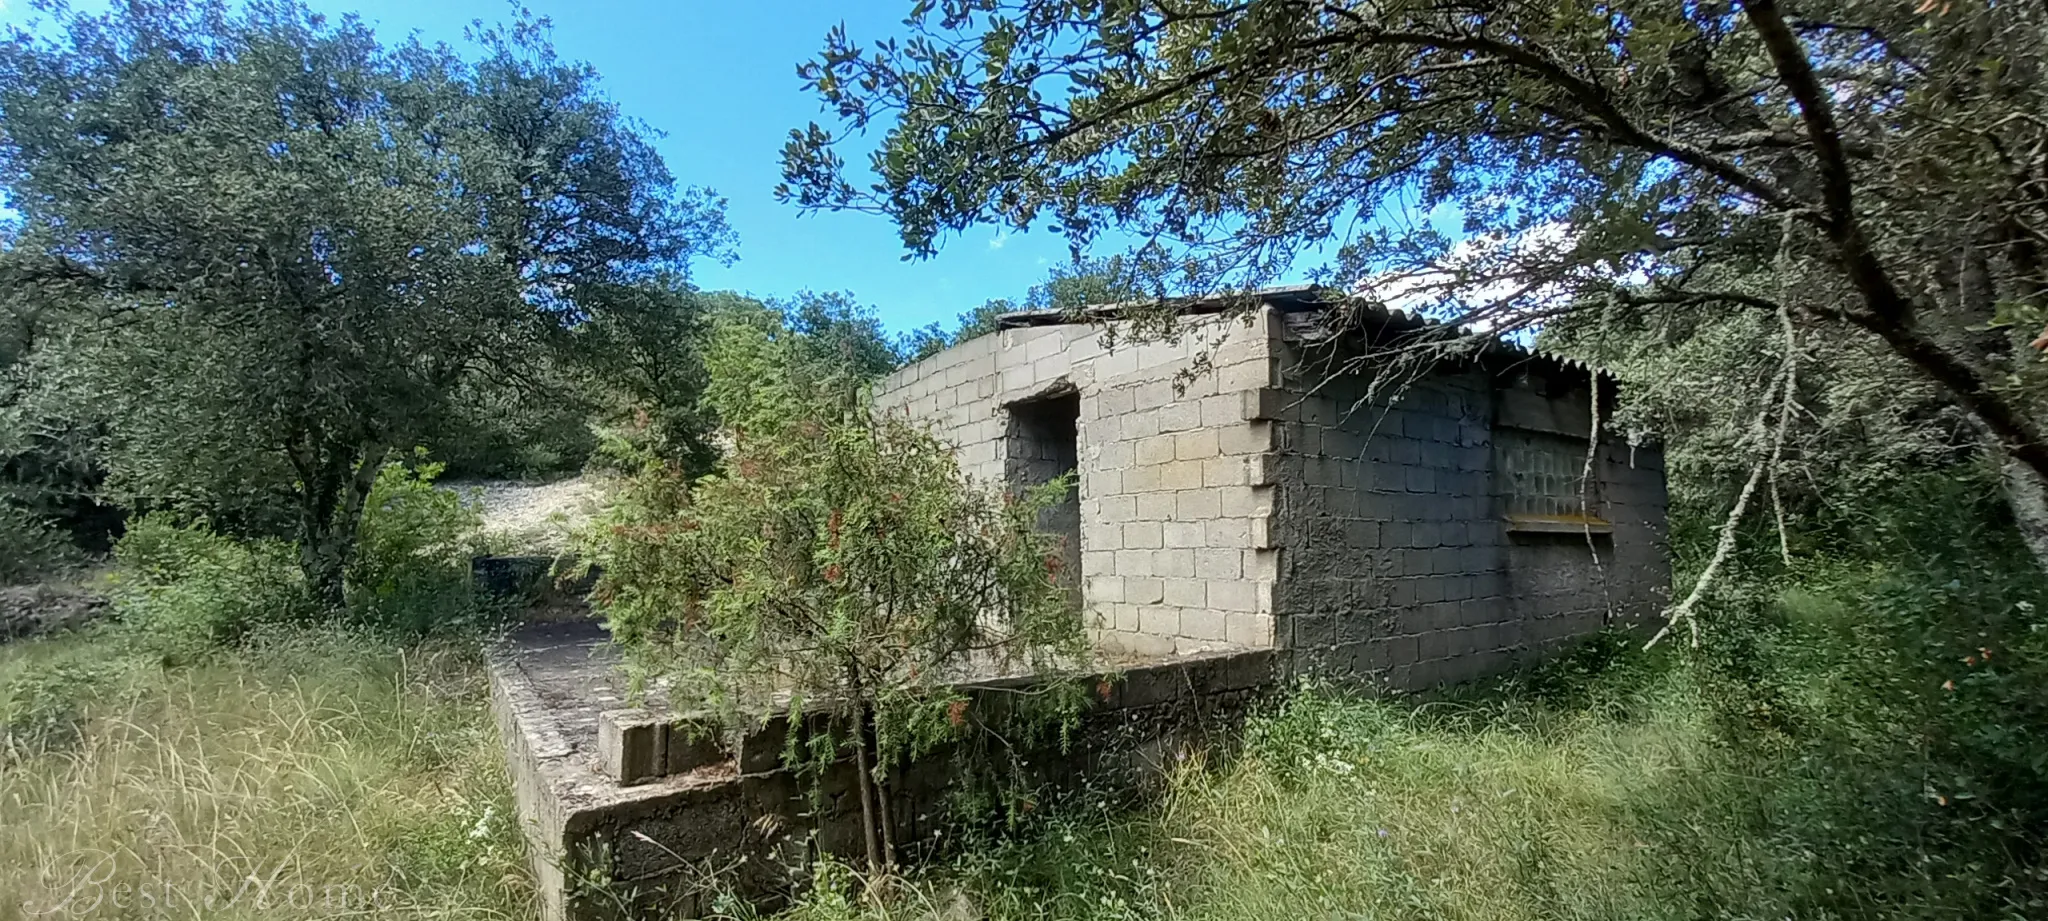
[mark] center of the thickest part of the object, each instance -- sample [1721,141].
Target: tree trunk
[885,816]
[330,513]
[2026,492]
[863,762]
[324,558]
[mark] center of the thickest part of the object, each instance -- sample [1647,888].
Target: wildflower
[483,823]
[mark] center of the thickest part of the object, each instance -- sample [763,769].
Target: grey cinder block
[631,746]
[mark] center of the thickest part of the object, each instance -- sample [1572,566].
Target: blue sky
[719,79]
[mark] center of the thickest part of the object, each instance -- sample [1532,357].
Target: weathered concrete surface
[1236,491]
[1171,466]
[1407,563]
[660,842]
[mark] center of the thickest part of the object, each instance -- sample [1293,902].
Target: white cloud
[996,242]
[1480,282]
[1489,282]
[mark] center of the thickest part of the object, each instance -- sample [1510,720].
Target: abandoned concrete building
[1250,501]
[1419,532]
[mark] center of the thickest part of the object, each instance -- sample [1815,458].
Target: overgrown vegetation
[839,563]
[1810,246]
[1859,737]
[258,326]
[306,774]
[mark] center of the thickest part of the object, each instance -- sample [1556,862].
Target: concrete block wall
[1561,593]
[1397,567]
[1176,549]
[733,819]
[1561,588]
[1401,566]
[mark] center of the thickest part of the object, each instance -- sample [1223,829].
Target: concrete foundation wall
[747,824]
[1174,498]
[1402,565]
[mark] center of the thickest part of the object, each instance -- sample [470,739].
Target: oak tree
[294,240]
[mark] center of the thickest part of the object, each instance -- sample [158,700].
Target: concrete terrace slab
[665,843]
[549,684]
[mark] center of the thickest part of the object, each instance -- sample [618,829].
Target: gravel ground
[522,518]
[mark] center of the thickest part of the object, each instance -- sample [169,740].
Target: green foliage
[834,558]
[312,240]
[1914,655]
[52,459]
[503,431]
[187,590]
[411,573]
[640,362]
[838,563]
[771,364]
[837,335]
[31,548]
[1697,383]
[1503,164]
[1841,746]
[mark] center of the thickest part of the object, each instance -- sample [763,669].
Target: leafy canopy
[1668,154]
[289,243]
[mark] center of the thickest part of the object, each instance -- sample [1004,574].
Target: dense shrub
[31,548]
[185,589]
[1909,670]
[411,571]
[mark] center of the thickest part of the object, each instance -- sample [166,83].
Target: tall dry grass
[313,774]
